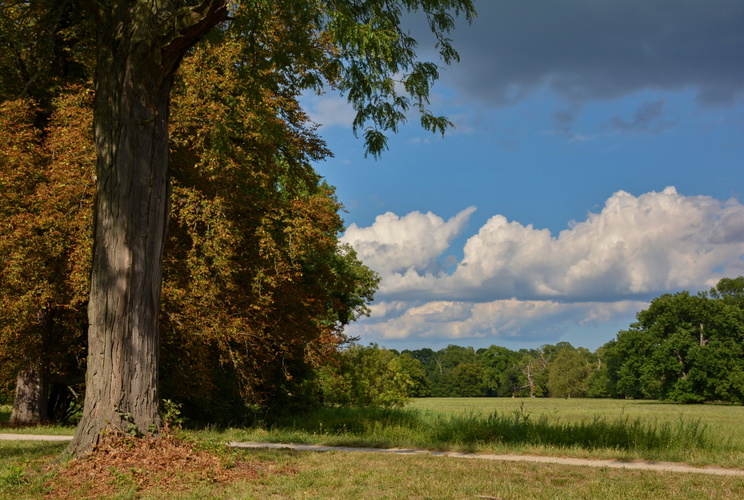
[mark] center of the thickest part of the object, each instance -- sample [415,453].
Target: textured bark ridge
[140,45]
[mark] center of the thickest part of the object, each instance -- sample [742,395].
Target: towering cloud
[634,246]
[513,278]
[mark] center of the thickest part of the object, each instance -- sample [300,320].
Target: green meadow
[696,434]
[723,423]
[649,430]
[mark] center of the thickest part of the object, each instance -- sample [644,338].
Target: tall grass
[474,430]
[600,432]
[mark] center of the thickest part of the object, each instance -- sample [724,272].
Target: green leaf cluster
[377,64]
[366,377]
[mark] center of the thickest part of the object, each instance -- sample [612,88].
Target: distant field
[720,426]
[724,421]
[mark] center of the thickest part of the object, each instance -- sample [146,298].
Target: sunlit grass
[362,476]
[723,421]
[623,434]
[335,475]
[579,428]
[23,467]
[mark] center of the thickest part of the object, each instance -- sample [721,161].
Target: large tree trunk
[140,45]
[30,406]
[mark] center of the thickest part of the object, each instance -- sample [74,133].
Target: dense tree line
[256,288]
[684,348]
[559,370]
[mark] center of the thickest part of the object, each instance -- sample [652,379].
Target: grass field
[700,435]
[723,422]
[293,475]
[713,432]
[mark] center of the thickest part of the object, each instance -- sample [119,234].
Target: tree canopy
[275,50]
[45,249]
[684,348]
[252,253]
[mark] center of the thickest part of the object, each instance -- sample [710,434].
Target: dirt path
[33,437]
[615,464]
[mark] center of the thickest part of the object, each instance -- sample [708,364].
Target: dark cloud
[564,118]
[588,49]
[647,118]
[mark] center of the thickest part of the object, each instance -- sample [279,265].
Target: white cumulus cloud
[412,242]
[329,110]
[499,320]
[635,246]
[517,281]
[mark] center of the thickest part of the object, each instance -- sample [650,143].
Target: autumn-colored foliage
[256,247]
[256,288]
[46,235]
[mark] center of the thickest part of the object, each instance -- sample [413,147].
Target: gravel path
[614,464]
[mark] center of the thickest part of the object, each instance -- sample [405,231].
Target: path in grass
[613,464]
[33,437]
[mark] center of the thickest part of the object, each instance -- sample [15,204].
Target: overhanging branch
[192,23]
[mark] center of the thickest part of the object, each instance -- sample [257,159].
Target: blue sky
[597,162]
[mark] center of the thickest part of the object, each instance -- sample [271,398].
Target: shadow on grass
[409,427]
[361,421]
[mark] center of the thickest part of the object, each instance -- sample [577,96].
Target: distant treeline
[684,348]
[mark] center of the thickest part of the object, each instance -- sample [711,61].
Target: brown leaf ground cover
[147,465]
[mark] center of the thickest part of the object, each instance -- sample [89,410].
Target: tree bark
[140,44]
[30,406]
